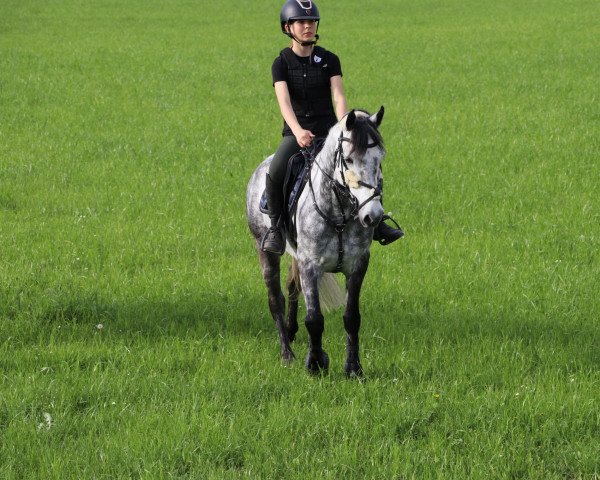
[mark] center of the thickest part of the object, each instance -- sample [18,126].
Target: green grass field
[135,338]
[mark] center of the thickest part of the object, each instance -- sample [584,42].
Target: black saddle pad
[292,186]
[296,177]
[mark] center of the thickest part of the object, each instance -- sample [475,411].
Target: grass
[135,340]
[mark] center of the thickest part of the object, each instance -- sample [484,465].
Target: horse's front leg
[270,264]
[316,359]
[354,281]
[294,289]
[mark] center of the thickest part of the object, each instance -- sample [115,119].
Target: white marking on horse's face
[352,179]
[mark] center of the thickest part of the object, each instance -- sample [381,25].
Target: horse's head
[358,161]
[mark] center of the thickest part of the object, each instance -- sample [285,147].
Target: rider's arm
[303,137]
[339,99]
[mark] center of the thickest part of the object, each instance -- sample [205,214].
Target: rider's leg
[385,234]
[274,241]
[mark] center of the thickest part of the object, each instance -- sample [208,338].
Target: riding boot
[385,234]
[273,240]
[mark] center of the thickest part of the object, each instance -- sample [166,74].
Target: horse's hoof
[287,357]
[354,370]
[317,363]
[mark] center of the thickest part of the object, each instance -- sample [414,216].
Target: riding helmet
[298,10]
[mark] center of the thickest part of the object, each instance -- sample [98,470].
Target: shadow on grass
[214,315]
[201,315]
[527,341]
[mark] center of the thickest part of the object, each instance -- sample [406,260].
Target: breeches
[288,147]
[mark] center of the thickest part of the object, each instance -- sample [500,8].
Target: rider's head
[299,10]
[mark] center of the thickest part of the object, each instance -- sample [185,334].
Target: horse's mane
[364,134]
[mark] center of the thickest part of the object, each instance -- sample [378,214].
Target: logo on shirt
[317,59]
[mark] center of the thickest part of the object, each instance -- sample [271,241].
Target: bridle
[342,193]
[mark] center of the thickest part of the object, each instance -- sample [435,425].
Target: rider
[305,77]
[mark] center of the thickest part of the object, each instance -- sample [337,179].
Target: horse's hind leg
[294,289]
[352,366]
[270,264]
[316,359]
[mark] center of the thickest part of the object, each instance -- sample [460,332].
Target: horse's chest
[323,246]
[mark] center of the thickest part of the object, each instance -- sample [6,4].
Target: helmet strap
[306,44]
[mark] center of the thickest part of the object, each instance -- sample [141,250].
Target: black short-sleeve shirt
[280,73]
[331,67]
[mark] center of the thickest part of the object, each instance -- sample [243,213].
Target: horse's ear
[378,117]
[350,119]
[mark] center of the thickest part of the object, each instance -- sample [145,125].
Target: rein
[342,192]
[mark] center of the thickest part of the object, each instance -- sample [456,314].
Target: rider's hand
[304,137]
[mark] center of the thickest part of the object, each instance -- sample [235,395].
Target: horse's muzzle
[372,217]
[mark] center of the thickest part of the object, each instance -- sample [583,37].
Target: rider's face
[303,29]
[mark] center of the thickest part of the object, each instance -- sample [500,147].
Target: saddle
[296,177]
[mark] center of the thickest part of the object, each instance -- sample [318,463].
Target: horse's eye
[349,160]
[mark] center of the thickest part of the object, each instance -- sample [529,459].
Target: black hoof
[287,357]
[317,363]
[353,370]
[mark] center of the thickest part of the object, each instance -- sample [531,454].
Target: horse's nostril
[368,220]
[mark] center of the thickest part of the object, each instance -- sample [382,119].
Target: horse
[335,218]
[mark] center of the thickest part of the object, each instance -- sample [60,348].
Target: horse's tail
[331,294]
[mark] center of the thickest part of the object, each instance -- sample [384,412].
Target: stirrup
[384,241]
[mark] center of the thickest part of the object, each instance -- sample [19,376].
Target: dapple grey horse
[335,218]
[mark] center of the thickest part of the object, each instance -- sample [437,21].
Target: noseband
[342,193]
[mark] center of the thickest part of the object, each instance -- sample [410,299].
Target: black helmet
[298,10]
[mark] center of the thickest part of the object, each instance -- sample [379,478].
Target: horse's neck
[322,175]
[325,166]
